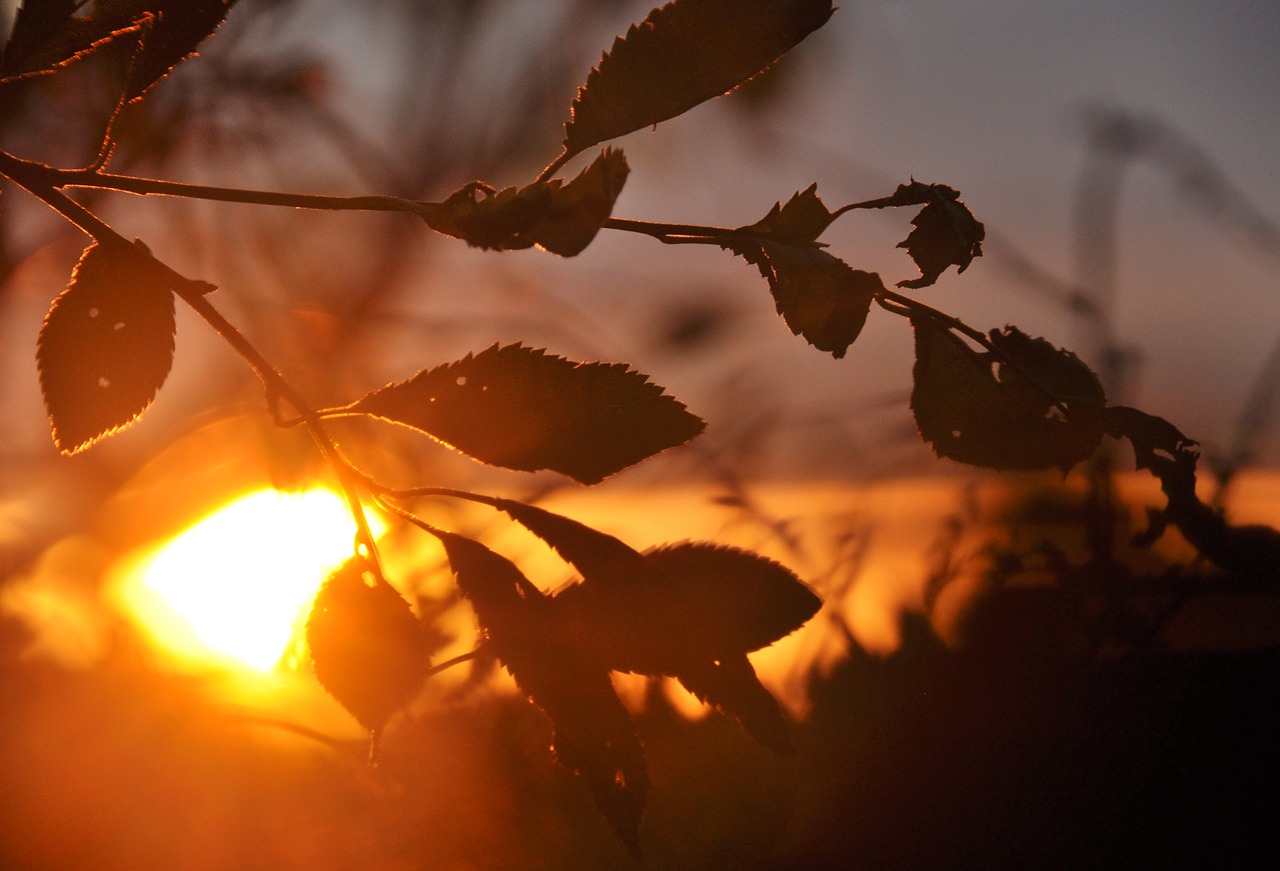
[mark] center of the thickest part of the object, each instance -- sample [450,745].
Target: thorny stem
[193,294]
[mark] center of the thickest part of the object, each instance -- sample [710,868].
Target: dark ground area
[999,757]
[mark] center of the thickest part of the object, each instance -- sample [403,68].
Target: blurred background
[1122,159]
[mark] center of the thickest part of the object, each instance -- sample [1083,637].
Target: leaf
[755,601]
[105,348]
[521,408]
[1157,444]
[802,219]
[600,557]
[691,611]
[977,409]
[368,650]
[818,295]
[731,686]
[558,217]
[683,54]
[170,38]
[945,234]
[594,736]
[579,209]
[47,34]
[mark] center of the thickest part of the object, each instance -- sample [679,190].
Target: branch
[32,178]
[92,178]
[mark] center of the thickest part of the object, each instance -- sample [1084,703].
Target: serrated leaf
[105,348]
[171,37]
[47,34]
[801,220]
[818,295]
[974,408]
[522,408]
[683,54]
[594,736]
[755,600]
[946,233]
[556,216]
[691,611]
[731,686]
[367,648]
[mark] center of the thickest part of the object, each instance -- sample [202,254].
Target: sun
[234,588]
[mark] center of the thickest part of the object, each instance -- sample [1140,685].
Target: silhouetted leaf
[683,54]
[730,686]
[171,37]
[559,217]
[818,295]
[945,234]
[1252,550]
[977,409]
[594,736]
[579,209]
[521,408]
[601,558]
[754,600]
[367,648]
[47,34]
[691,611]
[801,220]
[105,348]
[1156,442]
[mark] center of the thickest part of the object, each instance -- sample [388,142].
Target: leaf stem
[905,306]
[564,157]
[670,233]
[457,660]
[914,306]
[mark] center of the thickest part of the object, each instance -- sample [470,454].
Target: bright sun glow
[237,585]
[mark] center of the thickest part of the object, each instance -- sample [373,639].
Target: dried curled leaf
[801,220]
[368,650]
[683,54]
[1042,409]
[819,296]
[594,736]
[522,408]
[946,233]
[556,216]
[105,348]
[1157,444]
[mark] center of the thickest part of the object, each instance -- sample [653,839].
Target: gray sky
[986,95]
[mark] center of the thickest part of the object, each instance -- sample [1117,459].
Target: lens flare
[234,587]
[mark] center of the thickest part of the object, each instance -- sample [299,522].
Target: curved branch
[193,293]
